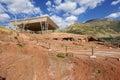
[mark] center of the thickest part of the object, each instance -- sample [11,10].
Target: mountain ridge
[103,29]
[95,27]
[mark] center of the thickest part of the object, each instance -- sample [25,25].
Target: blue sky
[63,12]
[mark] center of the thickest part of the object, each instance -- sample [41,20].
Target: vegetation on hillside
[96,28]
[106,29]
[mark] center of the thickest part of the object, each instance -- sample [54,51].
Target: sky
[62,12]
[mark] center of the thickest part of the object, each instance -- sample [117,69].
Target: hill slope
[103,29]
[52,56]
[96,28]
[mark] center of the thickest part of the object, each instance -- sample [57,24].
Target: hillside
[56,56]
[104,29]
[97,28]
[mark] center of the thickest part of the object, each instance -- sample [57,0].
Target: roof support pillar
[46,26]
[41,27]
[23,27]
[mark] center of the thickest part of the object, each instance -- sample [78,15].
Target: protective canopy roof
[35,24]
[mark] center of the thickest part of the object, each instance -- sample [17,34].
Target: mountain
[94,20]
[98,28]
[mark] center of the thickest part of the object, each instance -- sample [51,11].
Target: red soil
[27,58]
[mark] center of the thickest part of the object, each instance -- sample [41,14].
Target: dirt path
[60,69]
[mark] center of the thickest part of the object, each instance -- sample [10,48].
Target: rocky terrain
[56,56]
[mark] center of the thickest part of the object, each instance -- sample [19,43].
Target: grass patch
[85,48]
[106,58]
[113,68]
[99,71]
[46,38]
[61,55]
[15,37]
[1,51]
[20,53]
[21,44]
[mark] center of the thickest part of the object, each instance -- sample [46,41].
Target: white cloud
[6,1]
[73,7]
[57,20]
[21,6]
[44,15]
[1,9]
[70,9]
[71,18]
[63,22]
[79,11]
[89,3]
[57,1]
[67,6]
[4,17]
[50,7]
[114,15]
[115,2]
[48,3]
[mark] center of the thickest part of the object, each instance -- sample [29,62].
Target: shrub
[1,51]
[15,37]
[21,44]
[99,71]
[106,59]
[113,68]
[61,55]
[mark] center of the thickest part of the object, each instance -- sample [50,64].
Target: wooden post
[43,27]
[22,28]
[17,28]
[118,44]
[49,48]
[92,56]
[47,26]
[92,50]
[66,49]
